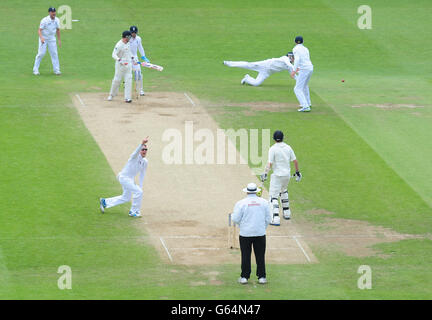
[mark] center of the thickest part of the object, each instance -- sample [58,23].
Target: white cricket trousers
[122,72]
[136,68]
[130,190]
[301,88]
[259,66]
[52,48]
[278,184]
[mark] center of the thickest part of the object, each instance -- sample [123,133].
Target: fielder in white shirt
[264,68]
[48,29]
[304,67]
[135,46]
[137,164]
[123,68]
[252,214]
[280,157]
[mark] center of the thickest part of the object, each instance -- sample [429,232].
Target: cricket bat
[151,66]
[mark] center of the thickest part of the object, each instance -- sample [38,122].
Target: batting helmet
[298,39]
[51,9]
[134,29]
[278,136]
[126,34]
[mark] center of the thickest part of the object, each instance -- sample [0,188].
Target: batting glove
[145,59]
[297,176]
[263,177]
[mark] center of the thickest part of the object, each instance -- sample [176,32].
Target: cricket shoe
[135,214]
[110,98]
[36,73]
[57,73]
[262,280]
[128,100]
[142,93]
[227,63]
[102,204]
[244,79]
[304,109]
[242,280]
[275,221]
[287,214]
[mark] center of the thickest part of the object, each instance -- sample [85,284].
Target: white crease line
[300,246]
[292,237]
[212,249]
[80,100]
[192,237]
[203,248]
[189,98]
[166,249]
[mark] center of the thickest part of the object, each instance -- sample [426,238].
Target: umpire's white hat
[251,188]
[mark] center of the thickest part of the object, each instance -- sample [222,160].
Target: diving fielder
[123,68]
[137,163]
[280,157]
[48,29]
[264,68]
[135,44]
[304,67]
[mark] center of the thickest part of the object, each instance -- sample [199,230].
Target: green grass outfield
[366,163]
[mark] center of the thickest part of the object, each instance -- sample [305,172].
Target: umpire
[252,214]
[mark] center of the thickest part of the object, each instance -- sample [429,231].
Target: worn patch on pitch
[185,206]
[352,237]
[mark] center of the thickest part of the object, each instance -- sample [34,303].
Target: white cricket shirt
[279,64]
[49,28]
[280,156]
[122,51]
[302,58]
[252,214]
[135,46]
[136,164]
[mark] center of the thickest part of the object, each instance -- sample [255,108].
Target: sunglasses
[144,149]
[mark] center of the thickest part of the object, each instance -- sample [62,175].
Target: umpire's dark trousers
[259,246]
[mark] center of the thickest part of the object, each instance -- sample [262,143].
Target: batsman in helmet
[280,157]
[123,67]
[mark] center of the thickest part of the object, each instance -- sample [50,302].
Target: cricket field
[365,150]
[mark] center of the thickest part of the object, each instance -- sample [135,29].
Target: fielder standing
[137,164]
[48,29]
[123,67]
[264,68]
[304,67]
[252,214]
[280,157]
[135,46]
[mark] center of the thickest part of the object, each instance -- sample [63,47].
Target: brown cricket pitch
[185,206]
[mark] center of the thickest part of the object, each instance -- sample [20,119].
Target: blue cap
[298,39]
[278,136]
